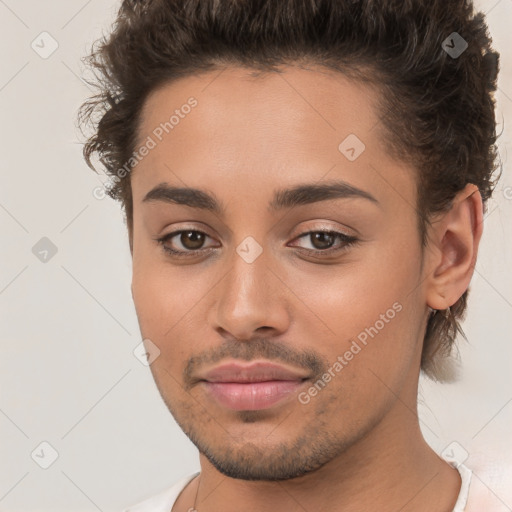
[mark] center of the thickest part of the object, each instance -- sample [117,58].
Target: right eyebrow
[187,196]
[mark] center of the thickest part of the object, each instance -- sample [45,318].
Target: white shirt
[164,501]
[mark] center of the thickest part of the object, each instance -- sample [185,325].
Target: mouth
[251,387]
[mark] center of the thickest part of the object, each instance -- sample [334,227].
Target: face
[289,318]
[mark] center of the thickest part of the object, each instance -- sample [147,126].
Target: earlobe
[455,238]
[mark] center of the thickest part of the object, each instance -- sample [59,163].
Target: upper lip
[260,371]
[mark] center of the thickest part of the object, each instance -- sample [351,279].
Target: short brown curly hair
[437,109]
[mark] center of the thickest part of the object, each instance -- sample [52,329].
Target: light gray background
[68,326]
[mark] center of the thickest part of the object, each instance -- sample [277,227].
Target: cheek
[162,292]
[370,357]
[367,313]
[168,303]
[348,298]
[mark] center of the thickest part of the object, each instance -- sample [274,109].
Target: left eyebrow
[312,193]
[299,195]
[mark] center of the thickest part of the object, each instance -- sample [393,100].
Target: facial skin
[356,441]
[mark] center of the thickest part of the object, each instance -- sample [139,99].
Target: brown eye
[192,240]
[322,240]
[183,243]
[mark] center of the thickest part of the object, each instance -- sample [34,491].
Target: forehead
[273,128]
[294,103]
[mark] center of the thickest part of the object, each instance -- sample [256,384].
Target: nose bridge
[250,296]
[248,282]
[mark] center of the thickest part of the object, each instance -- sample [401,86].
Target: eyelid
[325,228]
[198,227]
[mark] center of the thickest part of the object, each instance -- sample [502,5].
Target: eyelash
[347,240]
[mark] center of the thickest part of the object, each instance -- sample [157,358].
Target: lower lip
[251,396]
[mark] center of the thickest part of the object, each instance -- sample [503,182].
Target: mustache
[258,348]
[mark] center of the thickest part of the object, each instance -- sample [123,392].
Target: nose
[251,299]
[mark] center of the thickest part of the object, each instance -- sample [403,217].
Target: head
[291,119]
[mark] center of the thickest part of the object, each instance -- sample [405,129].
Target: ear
[453,246]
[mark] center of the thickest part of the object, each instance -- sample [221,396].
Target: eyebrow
[299,195]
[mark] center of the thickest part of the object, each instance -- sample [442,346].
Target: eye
[323,242]
[191,241]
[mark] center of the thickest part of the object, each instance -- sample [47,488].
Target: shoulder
[491,486]
[163,501]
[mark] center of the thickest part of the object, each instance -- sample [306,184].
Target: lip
[258,371]
[253,386]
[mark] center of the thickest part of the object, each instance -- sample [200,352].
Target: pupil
[194,237]
[320,236]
